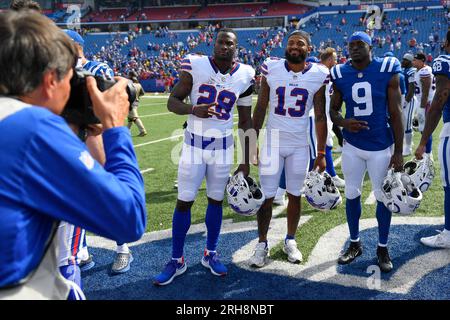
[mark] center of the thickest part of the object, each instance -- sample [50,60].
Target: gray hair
[31,45]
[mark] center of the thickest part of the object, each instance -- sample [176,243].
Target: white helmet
[320,191]
[244,195]
[399,194]
[421,172]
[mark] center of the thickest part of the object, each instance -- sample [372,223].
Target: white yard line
[164,139]
[156,141]
[371,198]
[147,170]
[156,114]
[279,209]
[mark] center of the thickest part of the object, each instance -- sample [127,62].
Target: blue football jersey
[441,66]
[409,74]
[402,83]
[365,95]
[99,69]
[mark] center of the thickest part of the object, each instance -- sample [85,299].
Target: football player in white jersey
[370,88]
[425,83]
[214,84]
[410,101]
[291,86]
[329,59]
[440,106]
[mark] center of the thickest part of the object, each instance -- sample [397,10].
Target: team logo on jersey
[87,160]
[360,75]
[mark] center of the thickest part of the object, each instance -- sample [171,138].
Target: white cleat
[441,240]
[280,201]
[260,255]
[290,248]
[280,197]
[338,182]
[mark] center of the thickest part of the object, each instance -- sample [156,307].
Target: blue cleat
[174,268]
[211,260]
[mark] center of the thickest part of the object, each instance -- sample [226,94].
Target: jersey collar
[308,67]
[232,71]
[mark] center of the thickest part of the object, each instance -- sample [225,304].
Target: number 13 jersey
[365,95]
[292,94]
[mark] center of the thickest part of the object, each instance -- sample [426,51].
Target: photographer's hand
[110,106]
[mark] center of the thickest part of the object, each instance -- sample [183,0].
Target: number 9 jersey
[209,85]
[365,95]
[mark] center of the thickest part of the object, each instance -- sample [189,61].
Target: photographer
[47,174]
[84,260]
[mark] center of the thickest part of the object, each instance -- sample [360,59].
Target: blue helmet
[312,59]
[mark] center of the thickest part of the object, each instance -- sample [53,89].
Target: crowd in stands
[161,60]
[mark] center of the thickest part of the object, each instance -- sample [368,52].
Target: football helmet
[421,172]
[320,191]
[244,195]
[399,194]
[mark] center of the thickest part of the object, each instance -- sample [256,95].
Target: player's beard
[296,60]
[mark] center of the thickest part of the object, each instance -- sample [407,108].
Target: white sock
[122,249]
[382,245]
[280,193]
[408,140]
[83,254]
[357,240]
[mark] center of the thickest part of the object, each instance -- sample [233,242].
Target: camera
[79,109]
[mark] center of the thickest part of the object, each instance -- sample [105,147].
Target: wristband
[321,152]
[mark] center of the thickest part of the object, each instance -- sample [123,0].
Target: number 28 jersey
[292,93]
[365,95]
[209,85]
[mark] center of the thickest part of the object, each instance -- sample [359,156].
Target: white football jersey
[292,94]
[425,72]
[210,85]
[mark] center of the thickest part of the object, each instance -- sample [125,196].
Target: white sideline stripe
[337,161]
[164,139]
[156,114]
[147,170]
[371,198]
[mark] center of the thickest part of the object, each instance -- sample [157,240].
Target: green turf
[161,194]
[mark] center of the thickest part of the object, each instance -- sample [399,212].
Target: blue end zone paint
[199,283]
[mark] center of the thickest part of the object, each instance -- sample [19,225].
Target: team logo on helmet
[399,194]
[320,191]
[244,195]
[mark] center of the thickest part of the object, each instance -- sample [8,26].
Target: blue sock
[353,211]
[283,180]
[384,222]
[429,145]
[180,226]
[213,223]
[447,208]
[289,237]
[329,160]
[311,163]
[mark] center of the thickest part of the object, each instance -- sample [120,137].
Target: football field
[320,237]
